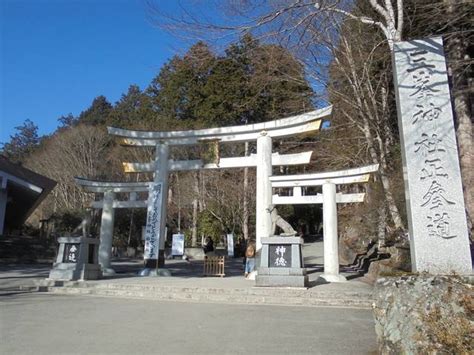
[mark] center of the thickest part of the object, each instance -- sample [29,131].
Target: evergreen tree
[132,110]
[178,90]
[67,121]
[250,83]
[98,113]
[22,143]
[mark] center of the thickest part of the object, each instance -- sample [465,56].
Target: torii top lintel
[349,176]
[103,186]
[304,123]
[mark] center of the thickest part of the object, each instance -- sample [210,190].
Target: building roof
[25,191]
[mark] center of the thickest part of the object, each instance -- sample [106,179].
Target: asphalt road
[36,323]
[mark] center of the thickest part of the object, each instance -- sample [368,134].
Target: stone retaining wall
[424,315]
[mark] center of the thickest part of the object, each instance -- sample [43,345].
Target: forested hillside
[250,82]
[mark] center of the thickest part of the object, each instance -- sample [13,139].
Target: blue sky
[57,55]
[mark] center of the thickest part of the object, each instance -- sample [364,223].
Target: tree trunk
[368,108]
[195,209]
[245,211]
[178,192]
[464,137]
[461,87]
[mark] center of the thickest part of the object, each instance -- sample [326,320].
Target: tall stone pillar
[264,188]
[162,176]
[106,233]
[331,250]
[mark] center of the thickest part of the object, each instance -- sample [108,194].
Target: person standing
[208,247]
[249,258]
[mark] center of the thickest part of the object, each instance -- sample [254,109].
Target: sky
[56,56]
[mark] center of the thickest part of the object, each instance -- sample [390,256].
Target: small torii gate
[108,204]
[329,199]
[263,160]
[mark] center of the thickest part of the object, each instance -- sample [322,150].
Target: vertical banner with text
[435,206]
[177,245]
[230,245]
[153,222]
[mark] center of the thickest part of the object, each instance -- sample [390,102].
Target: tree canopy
[250,82]
[22,143]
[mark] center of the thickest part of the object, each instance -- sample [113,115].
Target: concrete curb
[254,295]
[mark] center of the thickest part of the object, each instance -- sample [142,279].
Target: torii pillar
[263,226]
[331,248]
[106,233]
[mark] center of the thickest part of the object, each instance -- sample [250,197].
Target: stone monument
[281,263]
[435,206]
[77,259]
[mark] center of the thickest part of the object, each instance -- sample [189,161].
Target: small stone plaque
[71,253]
[279,255]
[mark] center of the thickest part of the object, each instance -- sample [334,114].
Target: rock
[399,261]
[352,244]
[424,314]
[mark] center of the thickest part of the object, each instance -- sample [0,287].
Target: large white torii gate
[329,199]
[260,132]
[263,160]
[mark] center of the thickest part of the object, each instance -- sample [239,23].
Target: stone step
[269,296]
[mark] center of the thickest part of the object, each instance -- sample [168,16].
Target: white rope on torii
[329,199]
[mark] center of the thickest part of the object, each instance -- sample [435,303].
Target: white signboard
[230,245]
[436,215]
[177,245]
[152,233]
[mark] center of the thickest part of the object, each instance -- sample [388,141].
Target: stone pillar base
[281,280]
[334,278]
[108,271]
[281,263]
[67,272]
[161,258]
[154,272]
[150,263]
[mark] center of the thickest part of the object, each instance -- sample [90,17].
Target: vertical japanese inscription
[152,232]
[280,255]
[71,253]
[437,221]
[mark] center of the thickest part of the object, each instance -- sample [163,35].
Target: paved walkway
[39,323]
[43,323]
[189,274]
